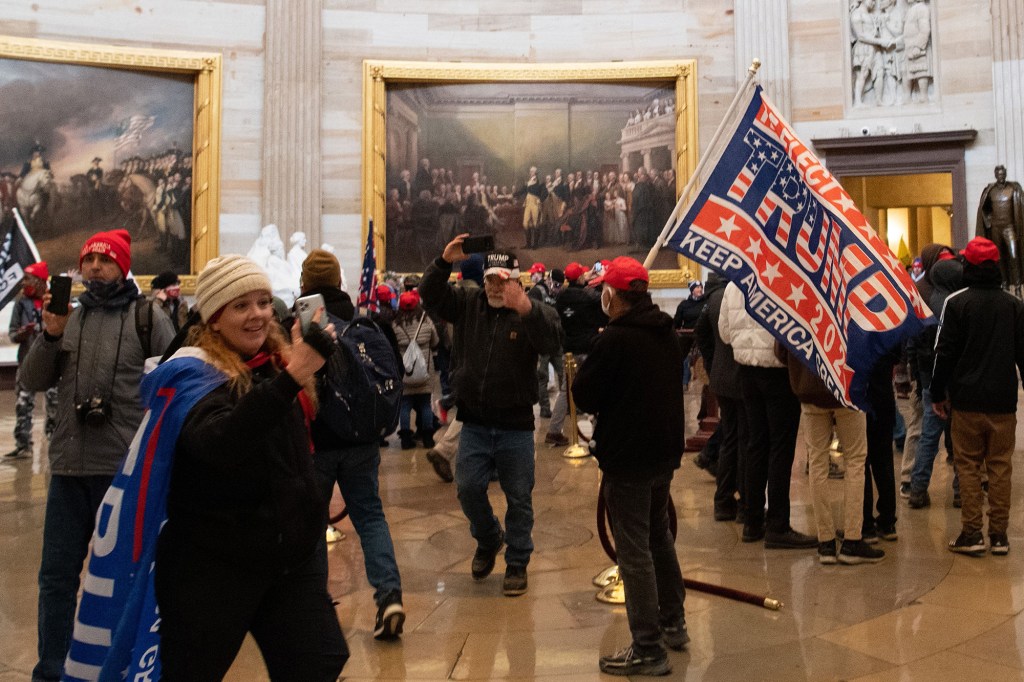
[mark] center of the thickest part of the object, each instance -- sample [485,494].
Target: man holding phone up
[499,333]
[94,355]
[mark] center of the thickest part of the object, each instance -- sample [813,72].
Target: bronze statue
[1001,219]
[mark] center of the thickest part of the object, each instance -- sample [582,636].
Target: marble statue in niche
[891,52]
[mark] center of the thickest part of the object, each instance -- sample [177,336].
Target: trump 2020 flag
[17,252]
[368,275]
[116,634]
[773,220]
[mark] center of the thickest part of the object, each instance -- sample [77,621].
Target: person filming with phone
[94,355]
[498,334]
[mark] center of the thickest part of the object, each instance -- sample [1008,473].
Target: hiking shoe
[390,617]
[19,453]
[676,637]
[904,490]
[789,539]
[441,466]
[859,552]
[998,544]
[970,543]
[919,500]
[515,581]
[628,662]
[888,533]
[483,558]
[752,532]
[556,440]
[827,552]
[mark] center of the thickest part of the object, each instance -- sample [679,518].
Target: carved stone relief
[892,53]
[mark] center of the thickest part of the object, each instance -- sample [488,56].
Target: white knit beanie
[224,279]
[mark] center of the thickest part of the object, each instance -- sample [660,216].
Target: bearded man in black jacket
[632,381]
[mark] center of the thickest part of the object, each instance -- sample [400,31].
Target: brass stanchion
[575,450]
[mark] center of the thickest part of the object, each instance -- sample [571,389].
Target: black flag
[17,252]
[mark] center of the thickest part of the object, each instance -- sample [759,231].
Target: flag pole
[755,64]
[24,232]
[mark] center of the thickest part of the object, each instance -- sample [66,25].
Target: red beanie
[117,244]
[384,293]
[979,250]
[408,300]
[39,270]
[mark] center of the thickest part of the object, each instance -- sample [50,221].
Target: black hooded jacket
[946,277]
[632,381]
[981,339]
[579,309]
[722,368]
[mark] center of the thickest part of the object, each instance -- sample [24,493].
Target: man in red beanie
[979,349]
[26,324]
[639,437]
[94,355]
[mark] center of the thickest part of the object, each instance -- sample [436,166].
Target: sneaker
[753,532]
[919,500]
[869,535]
[483,558]
[441,466]
[827,552]
[390,617]
[859,552]
[627,662]
[788,539]
[725,513]
[970,543]
[888,533]
[556,440]
[545,413]
[904,490]
[515,581]
[998,544]
[19,453]
[676,637]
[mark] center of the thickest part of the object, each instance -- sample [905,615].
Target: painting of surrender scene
[87,148]
[559,172]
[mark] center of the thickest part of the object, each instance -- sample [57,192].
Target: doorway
[916,208]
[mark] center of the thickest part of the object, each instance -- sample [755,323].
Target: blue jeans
[424,414]
[71,505]
[646,553]
[484,449]
[355,470]
[927,445]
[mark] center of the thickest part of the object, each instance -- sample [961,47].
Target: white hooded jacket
[752,344]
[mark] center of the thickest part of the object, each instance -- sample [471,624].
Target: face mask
[606,301]
[29,290]
[101,290]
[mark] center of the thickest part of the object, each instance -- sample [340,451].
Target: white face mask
[606,301]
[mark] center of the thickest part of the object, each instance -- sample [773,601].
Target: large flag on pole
[773,220]
[368,275]
[17,251]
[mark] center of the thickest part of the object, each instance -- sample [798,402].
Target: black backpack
[361,387]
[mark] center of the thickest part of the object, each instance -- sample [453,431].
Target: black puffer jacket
[579,309]
[494,353]
[243,485]
[632,381]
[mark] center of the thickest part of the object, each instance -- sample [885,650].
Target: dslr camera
[93,412]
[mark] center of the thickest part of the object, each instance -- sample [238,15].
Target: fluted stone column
[1008,85]
[762,30]
[291,194]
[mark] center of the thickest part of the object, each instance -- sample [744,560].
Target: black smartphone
[479,244]
[306,307]
[60,294]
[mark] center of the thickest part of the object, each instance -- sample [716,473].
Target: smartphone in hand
[479,244]
[60,295]
[306,307]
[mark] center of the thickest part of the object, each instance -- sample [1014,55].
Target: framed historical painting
[558,162]
[97,137]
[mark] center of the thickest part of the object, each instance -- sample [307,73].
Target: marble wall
[803,55]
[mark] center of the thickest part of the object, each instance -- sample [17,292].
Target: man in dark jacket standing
[499,332]
[981,339]
[639,438]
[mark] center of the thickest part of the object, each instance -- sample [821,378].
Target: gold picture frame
[379,75]
[205,70]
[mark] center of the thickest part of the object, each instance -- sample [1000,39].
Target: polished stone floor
[921,614]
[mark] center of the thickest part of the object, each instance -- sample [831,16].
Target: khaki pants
[913,417]
[852,429]
[987,440]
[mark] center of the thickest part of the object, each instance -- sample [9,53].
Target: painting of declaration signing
[558,172]
[86,148]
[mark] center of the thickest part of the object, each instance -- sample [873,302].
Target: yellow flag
[903,253]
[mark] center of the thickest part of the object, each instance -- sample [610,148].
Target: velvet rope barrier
[604,523]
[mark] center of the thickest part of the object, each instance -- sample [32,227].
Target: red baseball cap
[117,244]
[620,272]
[573,271]
[538,267]
[979,250]
[384,293]
[40,270]
[408,300]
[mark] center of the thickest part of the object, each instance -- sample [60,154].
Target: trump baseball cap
[504,264]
